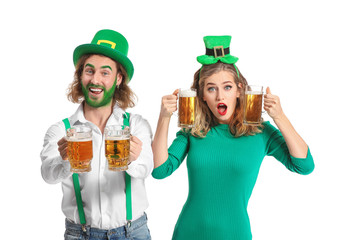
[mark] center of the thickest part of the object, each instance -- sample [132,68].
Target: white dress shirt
[103,191]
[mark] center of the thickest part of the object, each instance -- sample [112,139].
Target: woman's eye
[228,87]
[211,89]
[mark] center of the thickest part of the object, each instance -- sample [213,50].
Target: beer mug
[187,105]
[253,105]
[117,147]
[79,138]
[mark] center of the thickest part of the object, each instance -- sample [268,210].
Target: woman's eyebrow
[225,82]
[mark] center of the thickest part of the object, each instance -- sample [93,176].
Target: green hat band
[217,51]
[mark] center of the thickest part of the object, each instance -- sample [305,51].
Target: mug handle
[263,111]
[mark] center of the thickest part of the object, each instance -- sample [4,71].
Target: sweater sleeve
[176,155]
[277,147]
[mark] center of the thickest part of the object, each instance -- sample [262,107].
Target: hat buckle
[222,52]
[113,45]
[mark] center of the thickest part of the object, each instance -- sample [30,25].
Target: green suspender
[77,188]
[128,180]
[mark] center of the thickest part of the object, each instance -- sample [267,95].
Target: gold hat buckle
[215,51]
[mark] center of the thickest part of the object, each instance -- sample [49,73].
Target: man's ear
[119,79]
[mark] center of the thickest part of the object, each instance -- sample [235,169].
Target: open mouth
[222,109]
[95,91]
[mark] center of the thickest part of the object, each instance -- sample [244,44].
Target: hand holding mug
[272,104]
[62,143]
[135,148]
[169,104]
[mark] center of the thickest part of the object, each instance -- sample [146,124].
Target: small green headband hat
[110,44]
[217,49]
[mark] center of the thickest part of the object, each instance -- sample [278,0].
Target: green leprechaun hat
[217,49]
[108,43]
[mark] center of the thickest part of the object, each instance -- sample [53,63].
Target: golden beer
[80,155]
[117,147]
[187,104]
[117,153]
[79,151]
[253,108]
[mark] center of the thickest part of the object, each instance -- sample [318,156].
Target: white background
[289,46]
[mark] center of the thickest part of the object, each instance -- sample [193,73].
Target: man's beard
[106,99]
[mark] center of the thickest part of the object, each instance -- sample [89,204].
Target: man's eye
[89,71]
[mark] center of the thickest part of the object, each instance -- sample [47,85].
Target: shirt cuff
[66,168]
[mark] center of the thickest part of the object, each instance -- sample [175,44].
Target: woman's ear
[239,90]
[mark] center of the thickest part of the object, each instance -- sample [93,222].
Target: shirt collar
[117,115]
[115,118]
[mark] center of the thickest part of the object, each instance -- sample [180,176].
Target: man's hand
[63,146]
[135,148]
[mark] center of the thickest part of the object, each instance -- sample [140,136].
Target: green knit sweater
[222,171]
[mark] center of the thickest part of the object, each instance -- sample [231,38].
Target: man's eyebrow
[90,65]
[107,67]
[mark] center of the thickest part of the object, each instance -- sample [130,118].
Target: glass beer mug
[117,147]
[79,140]
[186,110]
[253,105]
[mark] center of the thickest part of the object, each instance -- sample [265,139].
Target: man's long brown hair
[123,95]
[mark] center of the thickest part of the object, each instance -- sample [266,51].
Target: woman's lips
[222,109]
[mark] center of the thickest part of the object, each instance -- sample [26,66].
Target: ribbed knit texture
[222,171]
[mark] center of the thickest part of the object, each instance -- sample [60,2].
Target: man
[103,71]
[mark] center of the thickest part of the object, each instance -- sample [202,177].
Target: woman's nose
[220,95]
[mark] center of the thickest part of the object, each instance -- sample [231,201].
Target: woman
[223,154]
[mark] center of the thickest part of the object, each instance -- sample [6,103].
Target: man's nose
[96,79]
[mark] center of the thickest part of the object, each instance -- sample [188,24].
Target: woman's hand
[272,105]
[159,143]
[169,104]
[63,147]
[296,145]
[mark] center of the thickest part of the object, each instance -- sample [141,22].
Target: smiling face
[220,93]
[99,79]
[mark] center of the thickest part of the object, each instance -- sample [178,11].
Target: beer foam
[77,139]
[187,93]
[253,93]
[114,138]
